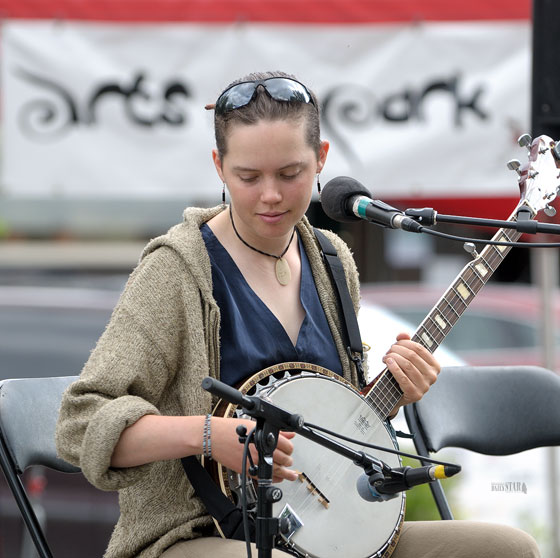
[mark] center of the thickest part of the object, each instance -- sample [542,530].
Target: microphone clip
[425,216]
[378,480]
[393,482]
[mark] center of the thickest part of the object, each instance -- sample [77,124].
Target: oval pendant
[283,273]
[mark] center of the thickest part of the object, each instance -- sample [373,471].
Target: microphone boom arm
[427,217]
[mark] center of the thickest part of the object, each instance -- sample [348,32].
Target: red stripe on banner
[272,11]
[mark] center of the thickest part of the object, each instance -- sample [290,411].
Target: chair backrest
[493,410]
[28,414]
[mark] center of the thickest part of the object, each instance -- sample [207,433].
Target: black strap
[218,505]
[352,331]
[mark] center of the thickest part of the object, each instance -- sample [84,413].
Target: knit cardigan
[161,341]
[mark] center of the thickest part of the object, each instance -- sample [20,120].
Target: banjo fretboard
[386,393]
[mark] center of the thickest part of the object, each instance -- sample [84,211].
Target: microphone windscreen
[335,195]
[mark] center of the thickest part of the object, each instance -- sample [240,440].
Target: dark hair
[263,107]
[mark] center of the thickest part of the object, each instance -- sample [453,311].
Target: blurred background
[105,140]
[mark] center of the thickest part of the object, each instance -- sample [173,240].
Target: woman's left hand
[414,368]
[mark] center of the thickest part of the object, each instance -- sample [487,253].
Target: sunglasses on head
[279,88]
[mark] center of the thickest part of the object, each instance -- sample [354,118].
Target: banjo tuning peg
[556,150]
[525,140]
[550,211]
[514,164]
[470,248]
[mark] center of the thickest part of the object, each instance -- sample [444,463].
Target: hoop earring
[224,195]
[318,185]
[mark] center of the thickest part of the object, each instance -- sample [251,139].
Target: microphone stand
[270,419]
[427,216]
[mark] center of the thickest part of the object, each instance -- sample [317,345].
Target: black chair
[28,414]
[492,410]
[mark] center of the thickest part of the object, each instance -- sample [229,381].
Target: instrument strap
[226,514]
[354,344]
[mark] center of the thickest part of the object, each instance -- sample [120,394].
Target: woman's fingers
[413,366]
[227,450]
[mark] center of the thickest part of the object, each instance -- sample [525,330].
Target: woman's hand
[227,450]
[414,368]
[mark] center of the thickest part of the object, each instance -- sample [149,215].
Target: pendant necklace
[283,273]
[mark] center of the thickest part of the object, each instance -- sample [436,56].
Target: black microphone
[400,479]
[345,199]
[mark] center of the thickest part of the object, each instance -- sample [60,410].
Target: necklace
[282,269]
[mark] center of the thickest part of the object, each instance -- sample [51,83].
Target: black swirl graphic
[349,107]
[173,115]
[354,107]
[50,117]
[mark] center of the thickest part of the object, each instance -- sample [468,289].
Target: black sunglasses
[279,88]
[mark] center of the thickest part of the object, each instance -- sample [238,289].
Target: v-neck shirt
[251,336]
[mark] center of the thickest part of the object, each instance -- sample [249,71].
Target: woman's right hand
[227,450]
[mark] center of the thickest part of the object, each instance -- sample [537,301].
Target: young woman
[226,293]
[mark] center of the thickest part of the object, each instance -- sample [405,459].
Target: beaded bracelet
[207,438]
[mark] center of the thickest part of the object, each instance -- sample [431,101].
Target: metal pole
[545,268]
[544,120]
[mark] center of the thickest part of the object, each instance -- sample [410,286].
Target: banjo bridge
[323,500]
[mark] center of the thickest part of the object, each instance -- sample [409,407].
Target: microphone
[345,200]
[400,479]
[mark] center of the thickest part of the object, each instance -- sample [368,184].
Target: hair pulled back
[264,107]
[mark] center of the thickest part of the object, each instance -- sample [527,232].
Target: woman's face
[269,170]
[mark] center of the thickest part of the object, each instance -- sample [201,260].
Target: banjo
[328,517]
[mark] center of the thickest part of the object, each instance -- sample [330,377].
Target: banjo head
[328,516]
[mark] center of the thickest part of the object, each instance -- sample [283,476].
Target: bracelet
[207,438]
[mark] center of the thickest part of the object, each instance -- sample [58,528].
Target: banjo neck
[385,392]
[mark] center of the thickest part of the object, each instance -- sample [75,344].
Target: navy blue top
[251,337]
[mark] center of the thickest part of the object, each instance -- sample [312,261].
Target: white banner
[117,110]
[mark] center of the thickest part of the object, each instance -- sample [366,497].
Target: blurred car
[50,331]
[501,326]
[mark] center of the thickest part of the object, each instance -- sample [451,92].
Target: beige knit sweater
[161,341]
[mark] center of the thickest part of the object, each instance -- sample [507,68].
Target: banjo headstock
[539,178]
